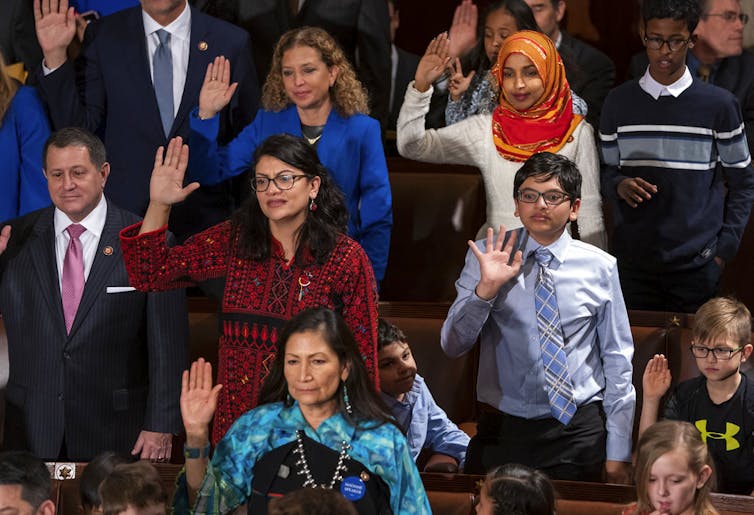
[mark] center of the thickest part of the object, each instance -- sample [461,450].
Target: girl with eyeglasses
[534,114]
[283,251]
[720,401]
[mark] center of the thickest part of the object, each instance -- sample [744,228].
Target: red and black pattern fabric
[258,298]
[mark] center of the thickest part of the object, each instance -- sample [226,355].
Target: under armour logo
[730,431]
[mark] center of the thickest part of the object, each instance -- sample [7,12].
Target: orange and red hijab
[548,124]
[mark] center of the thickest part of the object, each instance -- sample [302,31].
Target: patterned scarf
[548,124]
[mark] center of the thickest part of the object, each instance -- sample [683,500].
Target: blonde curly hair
[348,95]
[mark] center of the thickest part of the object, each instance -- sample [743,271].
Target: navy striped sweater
[693,148]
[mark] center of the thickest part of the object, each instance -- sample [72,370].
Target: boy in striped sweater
[676,170]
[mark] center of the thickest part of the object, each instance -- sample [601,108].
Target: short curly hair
[348,95]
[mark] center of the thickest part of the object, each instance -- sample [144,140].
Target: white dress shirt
[656,90]
[94,223]
[180,44]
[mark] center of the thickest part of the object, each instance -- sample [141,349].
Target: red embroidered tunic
[257,299]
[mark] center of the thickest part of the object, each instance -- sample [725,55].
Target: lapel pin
[203,46]
[107,250]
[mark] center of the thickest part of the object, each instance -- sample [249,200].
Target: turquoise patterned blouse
[227,484]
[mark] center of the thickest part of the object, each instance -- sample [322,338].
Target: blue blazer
[23,132]
[350,148]
[116,98]
[116,373]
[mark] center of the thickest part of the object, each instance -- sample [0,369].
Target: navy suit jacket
[115,98]
[116,373]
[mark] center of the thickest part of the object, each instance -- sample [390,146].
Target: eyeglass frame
[273,180]
[731,17]
[541,194]
[714,350]
[663,42]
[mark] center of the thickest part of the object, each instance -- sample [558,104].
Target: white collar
[94,222]
[655,89]
[179,28]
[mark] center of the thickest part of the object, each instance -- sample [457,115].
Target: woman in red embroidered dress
[283,251]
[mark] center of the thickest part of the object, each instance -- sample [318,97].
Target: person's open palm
[498,264]
[433,63]
[217,90]
[198,397]
[657,377]
[166,186]
[459,82]
[55,23]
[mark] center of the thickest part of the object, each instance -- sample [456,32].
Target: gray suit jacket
[116,373]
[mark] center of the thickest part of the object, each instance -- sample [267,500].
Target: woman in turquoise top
[321,424]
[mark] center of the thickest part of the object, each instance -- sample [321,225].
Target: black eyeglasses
[551,197]
[731,17]
[656,43]
[722,354]
[284,181]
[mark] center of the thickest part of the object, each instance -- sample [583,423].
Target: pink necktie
[73,275]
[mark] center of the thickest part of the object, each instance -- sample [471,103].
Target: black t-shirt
[727,428]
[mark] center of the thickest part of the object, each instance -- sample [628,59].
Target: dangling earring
[346,402]
[288,400]
[312,205]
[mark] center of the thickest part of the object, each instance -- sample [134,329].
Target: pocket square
[120,289]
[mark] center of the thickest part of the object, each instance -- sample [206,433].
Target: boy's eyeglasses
[731,17]
[722,354]
[551,197]
[675,44]
[284,181]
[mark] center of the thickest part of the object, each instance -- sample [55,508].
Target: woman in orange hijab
[535,114]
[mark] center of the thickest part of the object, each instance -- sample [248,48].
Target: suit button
[60,396]
[67,355]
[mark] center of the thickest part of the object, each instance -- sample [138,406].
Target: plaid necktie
[559,389]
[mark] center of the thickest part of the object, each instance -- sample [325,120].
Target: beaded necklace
[304,465]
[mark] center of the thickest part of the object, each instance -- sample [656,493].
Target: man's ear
[47,508]
[560,9]
[746,351]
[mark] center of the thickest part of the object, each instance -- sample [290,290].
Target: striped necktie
[559,389]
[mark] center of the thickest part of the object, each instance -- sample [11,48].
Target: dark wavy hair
[368,408]
[322,227]
[520,490]
[477,58]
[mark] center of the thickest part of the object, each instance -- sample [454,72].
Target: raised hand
[636,190]
[463,28]
[217,90]
[458,83]
[55,23]
[495,265]
[4,237]
[198,401]
[166,186]
[656,379]
[433,63]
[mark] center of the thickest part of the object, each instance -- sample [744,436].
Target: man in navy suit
[114,94]
[103,374]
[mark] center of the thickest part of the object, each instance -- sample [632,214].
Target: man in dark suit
[359,26]
[590,73]
[94,365]
[403,67]
[115,96]
[717,56]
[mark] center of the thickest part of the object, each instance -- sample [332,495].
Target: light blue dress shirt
[426,424]
[596,331]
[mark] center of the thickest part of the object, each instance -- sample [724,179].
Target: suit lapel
[333,135]
[41,250]
[106,259]
[135,55]
[200,52]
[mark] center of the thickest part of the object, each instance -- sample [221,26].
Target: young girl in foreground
[673,472]
[514,489]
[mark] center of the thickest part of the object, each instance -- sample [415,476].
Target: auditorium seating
[453,494]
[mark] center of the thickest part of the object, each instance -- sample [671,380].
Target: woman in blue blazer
[311,92]
[24,128]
